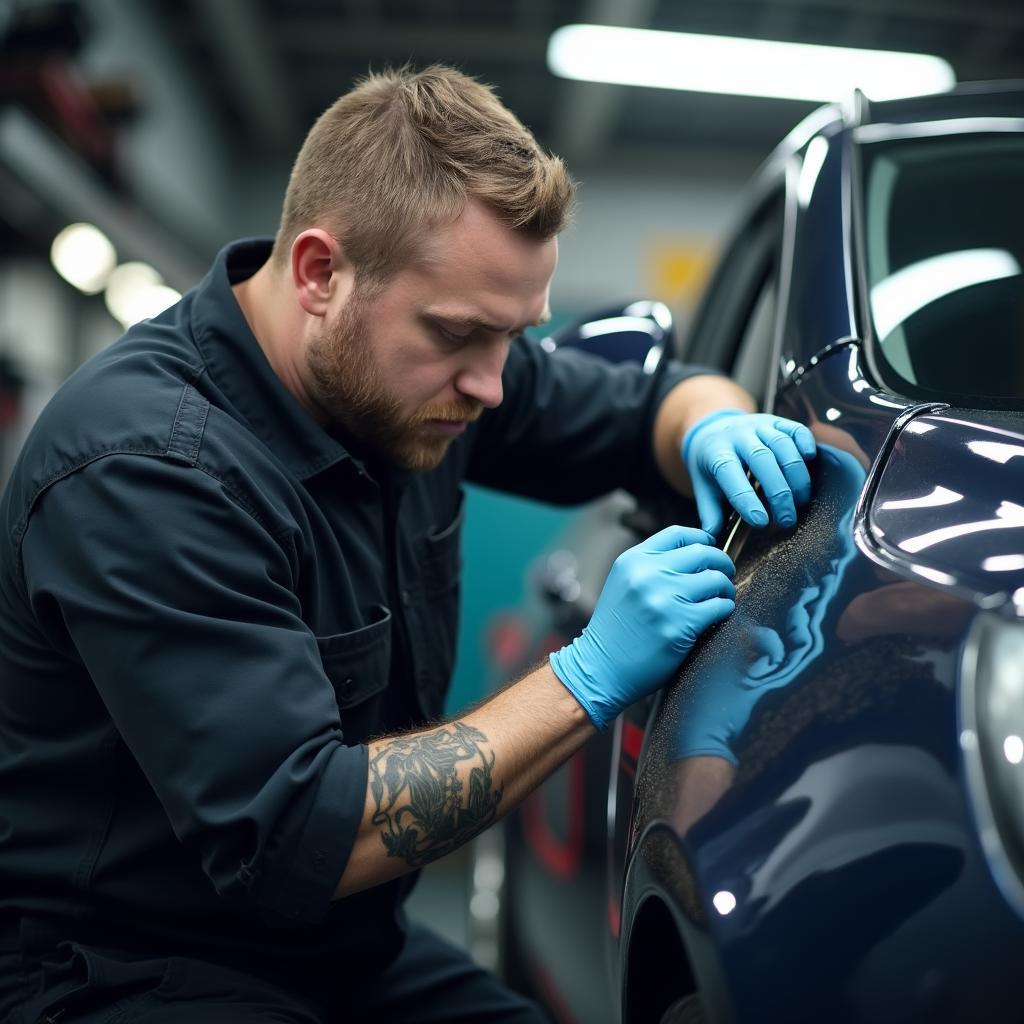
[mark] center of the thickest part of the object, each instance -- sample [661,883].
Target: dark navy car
[859,854]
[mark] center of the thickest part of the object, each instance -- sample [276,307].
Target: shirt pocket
[440,555]
[79,983]
[358,664]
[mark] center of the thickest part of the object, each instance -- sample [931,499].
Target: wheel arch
[666,951]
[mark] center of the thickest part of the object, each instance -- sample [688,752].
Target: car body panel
[832,862]
[949,501]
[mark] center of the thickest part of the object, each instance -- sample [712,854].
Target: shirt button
[406,598]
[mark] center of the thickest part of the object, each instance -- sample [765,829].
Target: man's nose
[480,379]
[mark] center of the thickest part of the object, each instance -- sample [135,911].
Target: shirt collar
[239,368]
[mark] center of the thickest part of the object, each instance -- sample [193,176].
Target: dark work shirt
[208,603]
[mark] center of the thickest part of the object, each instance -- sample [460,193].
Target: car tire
[688,1010]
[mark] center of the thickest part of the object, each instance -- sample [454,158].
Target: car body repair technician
[229,584]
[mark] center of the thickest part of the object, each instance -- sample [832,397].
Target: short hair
[404,151]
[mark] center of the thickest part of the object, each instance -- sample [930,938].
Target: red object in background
[11,385]
[632,741]
[77,114]
[614,915]
[561,857]
[38,46]
[10,410]
[507,640]
[554,641]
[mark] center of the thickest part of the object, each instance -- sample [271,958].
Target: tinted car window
[944,238]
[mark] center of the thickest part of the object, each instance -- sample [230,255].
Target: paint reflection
[779,646]
[1009,516]
[776,644]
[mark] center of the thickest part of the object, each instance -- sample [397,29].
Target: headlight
[992,739]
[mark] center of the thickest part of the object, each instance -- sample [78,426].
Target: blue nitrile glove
[716,449]
[658,599]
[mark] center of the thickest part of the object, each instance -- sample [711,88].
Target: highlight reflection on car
[822,817]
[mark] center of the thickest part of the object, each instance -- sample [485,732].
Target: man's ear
[321,272]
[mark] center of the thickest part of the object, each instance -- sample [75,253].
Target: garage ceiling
[270,66]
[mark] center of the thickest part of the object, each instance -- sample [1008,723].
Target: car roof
[971,99]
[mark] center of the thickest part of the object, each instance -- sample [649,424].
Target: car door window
[734,329]
[754,352]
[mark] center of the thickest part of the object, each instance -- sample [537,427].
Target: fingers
[699,587]
[724,466]
[775,452]
[782,469]
[774,449]
[675,537]
[790,460]
[708,585]
[696,558]
[802,437]
[765,468]
[709,505]
[712,611]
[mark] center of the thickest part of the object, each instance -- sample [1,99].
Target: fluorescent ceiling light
[740,67]
[899,296]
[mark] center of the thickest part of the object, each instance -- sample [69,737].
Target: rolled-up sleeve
[180,601]
[573,426]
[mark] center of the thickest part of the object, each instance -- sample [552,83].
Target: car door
[734,331]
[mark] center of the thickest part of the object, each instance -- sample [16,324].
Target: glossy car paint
[949,501]
[845,838]
[845,869]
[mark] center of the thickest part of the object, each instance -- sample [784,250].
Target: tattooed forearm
[432,792]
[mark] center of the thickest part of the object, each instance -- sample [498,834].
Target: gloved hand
[715,450]
[658,599]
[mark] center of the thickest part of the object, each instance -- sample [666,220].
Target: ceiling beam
[586,112]
[304,35]
[252,71]
[978,13]
[71,190]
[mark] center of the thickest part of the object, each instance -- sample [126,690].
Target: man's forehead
[464,316]
[478,243]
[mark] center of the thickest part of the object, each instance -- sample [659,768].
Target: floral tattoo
[420,799]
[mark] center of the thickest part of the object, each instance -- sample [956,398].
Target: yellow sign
[677,270]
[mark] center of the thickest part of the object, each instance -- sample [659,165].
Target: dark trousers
[429,983]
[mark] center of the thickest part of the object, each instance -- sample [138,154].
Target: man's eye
[449,337]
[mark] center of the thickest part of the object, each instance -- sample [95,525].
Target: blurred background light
[741,67]
[135,291]
[84,257]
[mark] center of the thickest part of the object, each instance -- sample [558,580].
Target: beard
[349,386]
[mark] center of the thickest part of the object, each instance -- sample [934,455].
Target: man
[228,588]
